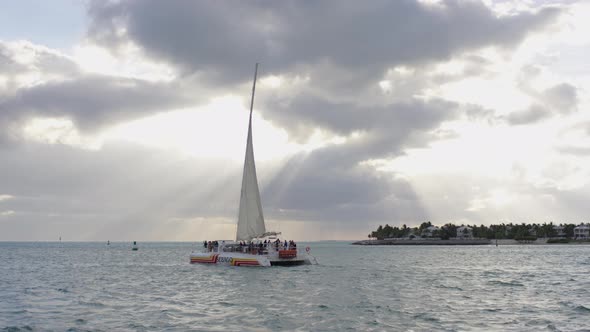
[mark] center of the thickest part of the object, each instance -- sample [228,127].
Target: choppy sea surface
[93,287]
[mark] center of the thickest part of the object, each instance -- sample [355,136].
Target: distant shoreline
[424,242]
[467,242]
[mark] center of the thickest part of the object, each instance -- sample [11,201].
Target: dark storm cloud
[217,38]
[93,101]
[301,114]
[325,186]
[332,184]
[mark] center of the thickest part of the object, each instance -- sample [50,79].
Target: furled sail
[250,217]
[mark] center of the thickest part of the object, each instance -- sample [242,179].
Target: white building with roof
[464,232]
[582,232]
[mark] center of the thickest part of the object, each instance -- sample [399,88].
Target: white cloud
[128,62]
[58,131]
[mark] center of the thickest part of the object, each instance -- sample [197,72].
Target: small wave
[17,329]
[511,322]
[424,316]
[577,308]
[373,322]
[450,287]
[18,312]
[227,304]
[136,326]
[92,304]
[538,322]
[63,290]
[506,283]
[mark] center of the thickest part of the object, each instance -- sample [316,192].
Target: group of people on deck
[211,245]
[258,247]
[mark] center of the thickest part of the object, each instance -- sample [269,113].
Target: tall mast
[250,215]
[253,89]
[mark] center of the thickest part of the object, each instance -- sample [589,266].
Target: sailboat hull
[229,259]
[241,259]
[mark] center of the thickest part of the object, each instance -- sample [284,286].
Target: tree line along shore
[561,233]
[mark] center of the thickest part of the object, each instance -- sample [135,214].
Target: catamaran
[254,246]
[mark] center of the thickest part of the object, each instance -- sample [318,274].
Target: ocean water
[92,287]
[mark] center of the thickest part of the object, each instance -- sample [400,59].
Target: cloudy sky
[126,120]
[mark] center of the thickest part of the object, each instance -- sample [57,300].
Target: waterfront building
[582,232]
[559,231]
[464,232]
[430,231]
[532,231]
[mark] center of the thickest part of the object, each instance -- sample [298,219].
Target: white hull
[229,259]
[244,259]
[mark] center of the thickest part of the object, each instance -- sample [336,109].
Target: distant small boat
[134,248]
[108,243]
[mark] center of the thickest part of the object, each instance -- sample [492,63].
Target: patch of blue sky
[57,23]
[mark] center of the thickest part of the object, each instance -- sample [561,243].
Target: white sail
[250,217]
